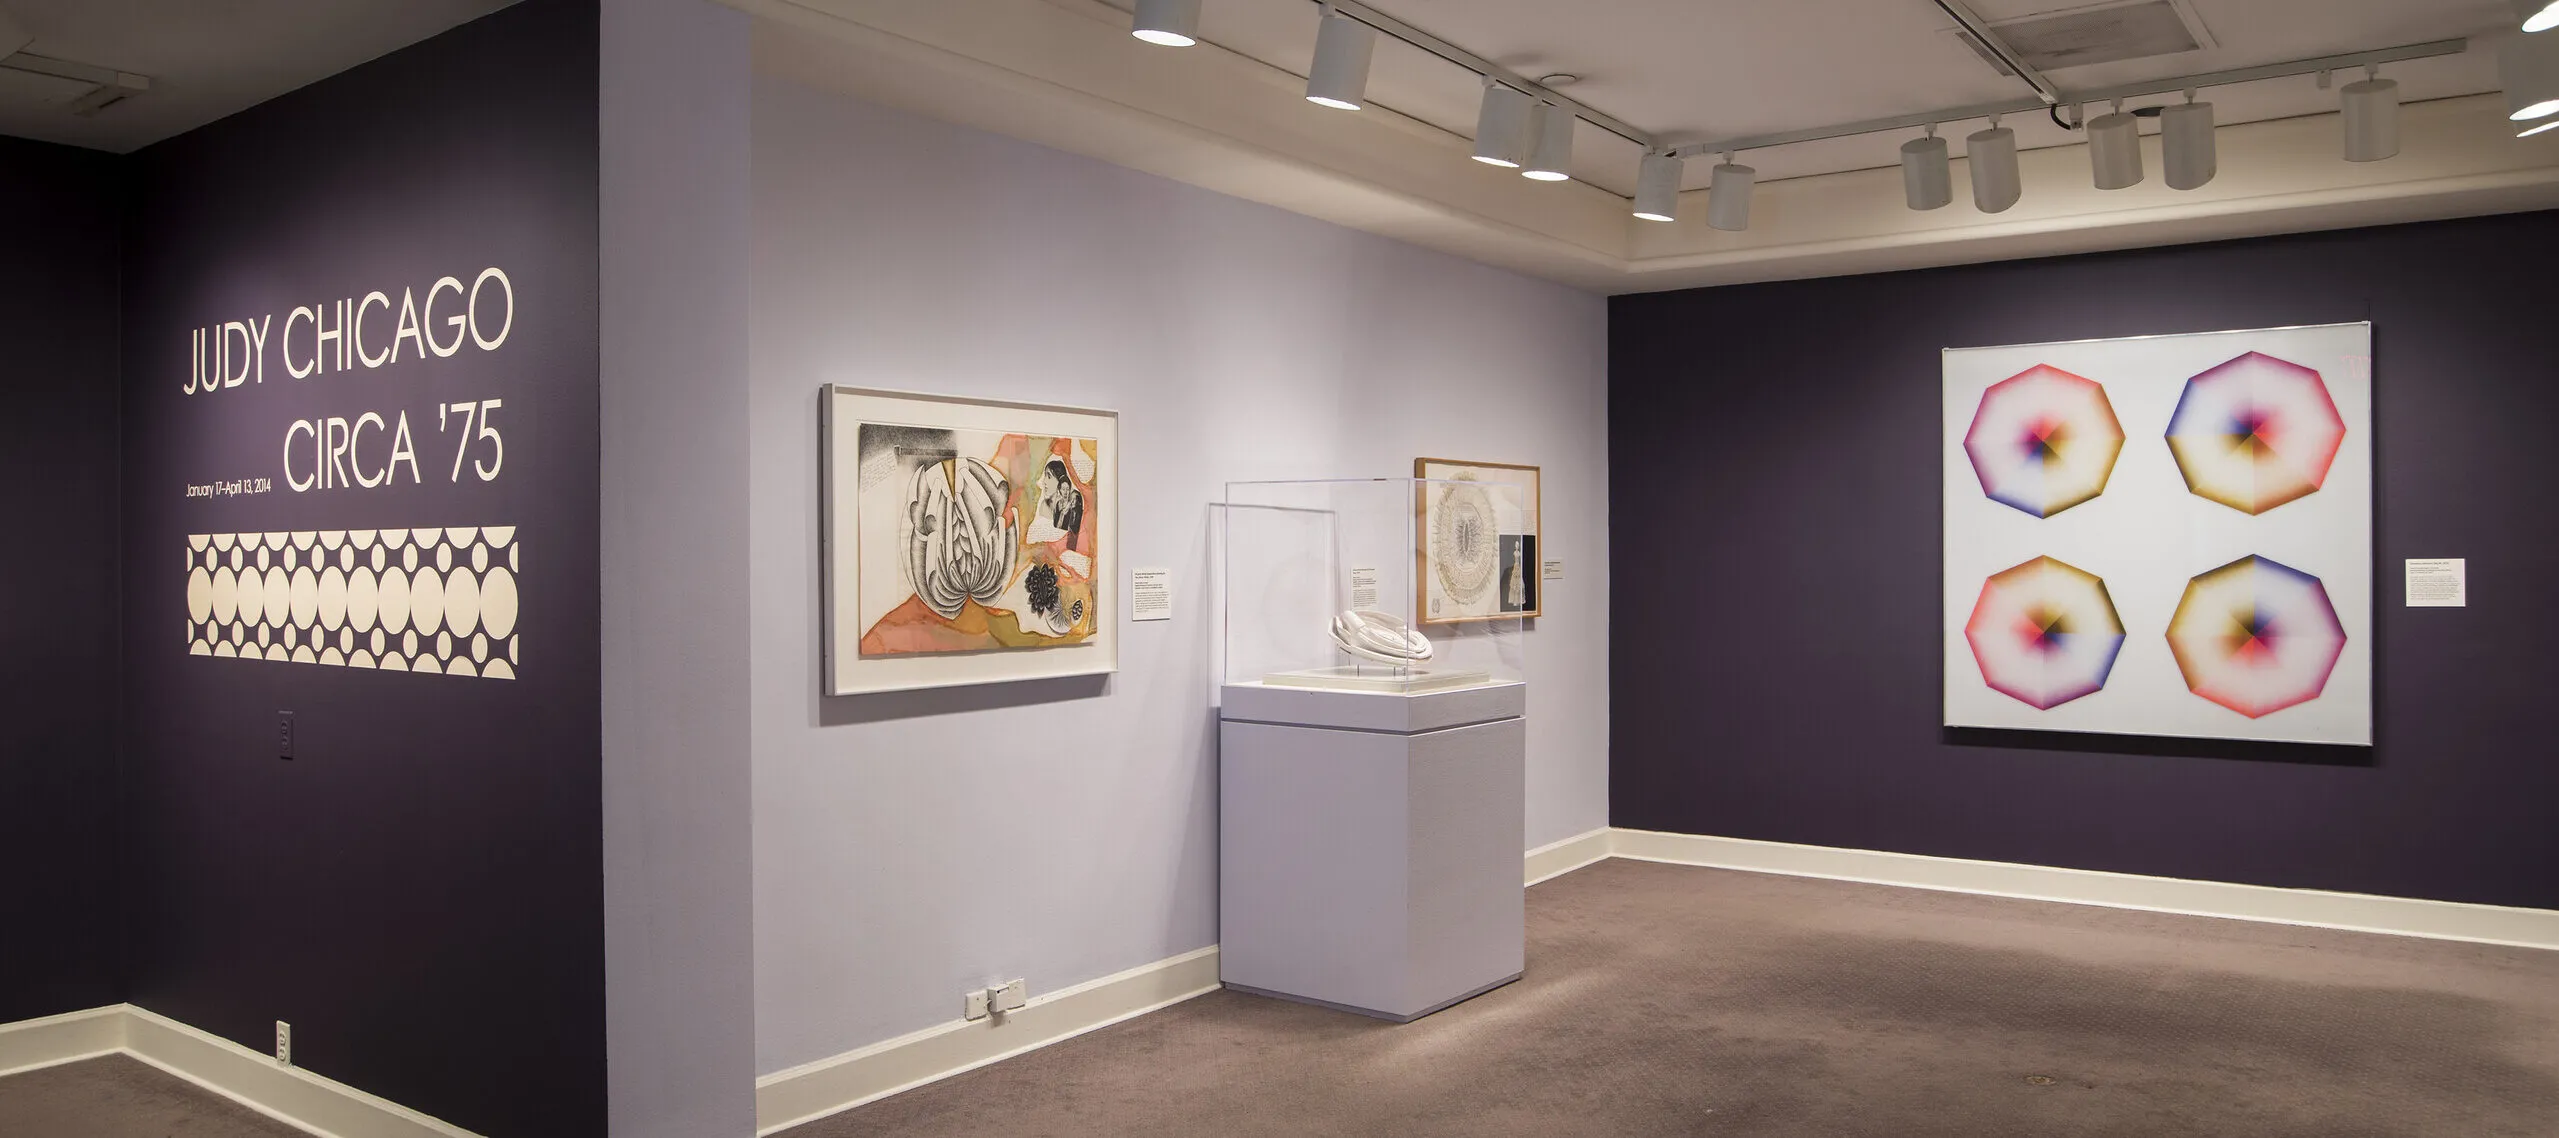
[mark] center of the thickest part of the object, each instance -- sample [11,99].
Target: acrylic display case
[1323,585]
[1372,767]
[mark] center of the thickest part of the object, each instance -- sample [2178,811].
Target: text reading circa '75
[370,448]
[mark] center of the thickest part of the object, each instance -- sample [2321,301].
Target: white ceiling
[205,58]
[1229,117]
[1691,70]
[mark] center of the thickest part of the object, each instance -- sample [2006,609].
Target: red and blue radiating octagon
[2044,440]
[2256,636]
[2255,433]
[2045,632]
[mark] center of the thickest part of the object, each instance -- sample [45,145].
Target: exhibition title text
[372,448]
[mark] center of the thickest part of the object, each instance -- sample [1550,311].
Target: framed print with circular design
[1476,541]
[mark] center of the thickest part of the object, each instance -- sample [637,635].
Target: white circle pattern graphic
[394,601]
[333,597]
[361,596]
[279,597]
[426,601]
[497,603]
[226,595]
[461,602]
[306,597]
[434,600]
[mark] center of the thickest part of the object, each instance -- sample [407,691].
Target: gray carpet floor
[1674,1000]
[118,1097]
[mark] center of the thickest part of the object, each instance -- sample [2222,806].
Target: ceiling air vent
[2101,33]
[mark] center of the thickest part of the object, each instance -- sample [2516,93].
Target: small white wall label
[1555,570]
[1364,588]
[1150,594]
[2438,582]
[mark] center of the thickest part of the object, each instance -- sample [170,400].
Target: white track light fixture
[2372,118]
[2186,144]
[2529,67]
[2114,149]
[1501,126]
[1343,46]
[1728,196]
[1991,157]
[1657,187]
[1927,177]
[2537,15]
[1172,23]
[1551,159]
[2545,125]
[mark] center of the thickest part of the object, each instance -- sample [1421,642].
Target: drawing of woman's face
[1058,496]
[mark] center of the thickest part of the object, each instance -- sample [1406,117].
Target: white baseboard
[814,1090]
[1555,859]
[829,1086]
[54,1040]
[296,1097]
[2357,912]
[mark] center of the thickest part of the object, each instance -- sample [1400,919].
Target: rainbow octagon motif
[2045,632]
[2256,636]
[2255,433]
[2044,440]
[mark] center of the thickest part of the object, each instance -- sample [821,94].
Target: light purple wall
[910,847]
[679,1011]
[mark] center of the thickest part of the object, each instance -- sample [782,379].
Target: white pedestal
[1369,845]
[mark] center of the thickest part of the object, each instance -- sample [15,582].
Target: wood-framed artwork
[967,541]
[1477,541]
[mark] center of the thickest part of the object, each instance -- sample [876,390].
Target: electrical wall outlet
[284,1043]
[1010,996]
[975,1007]
[284,734]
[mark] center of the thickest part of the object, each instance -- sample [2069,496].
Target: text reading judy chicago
[968,541]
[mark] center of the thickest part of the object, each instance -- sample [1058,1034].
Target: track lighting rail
[2312,66]
[1527,126]
[1398,29]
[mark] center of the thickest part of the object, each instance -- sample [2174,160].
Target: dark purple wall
[419,891]
[1773,454]
[58,822]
